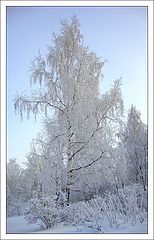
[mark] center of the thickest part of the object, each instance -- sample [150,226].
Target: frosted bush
[84,213]
[43,210]
[127,205]
[133,201]
[90,213]
[15,207]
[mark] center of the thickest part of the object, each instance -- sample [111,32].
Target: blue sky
[118,34]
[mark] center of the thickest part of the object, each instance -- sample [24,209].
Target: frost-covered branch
[88,165]
[34,105]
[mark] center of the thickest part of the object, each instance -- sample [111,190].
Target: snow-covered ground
[19,225]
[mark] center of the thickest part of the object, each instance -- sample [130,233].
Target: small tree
[135,142]
[14,188]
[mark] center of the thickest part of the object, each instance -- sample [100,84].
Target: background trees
[136,145]
[15,191]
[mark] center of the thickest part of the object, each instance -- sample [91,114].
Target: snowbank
[19,225]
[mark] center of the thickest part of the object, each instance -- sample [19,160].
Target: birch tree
[69,77]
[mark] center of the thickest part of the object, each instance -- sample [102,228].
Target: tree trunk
[68,195]
[69,163]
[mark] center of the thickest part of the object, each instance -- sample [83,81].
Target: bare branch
[59,135]
[88,165]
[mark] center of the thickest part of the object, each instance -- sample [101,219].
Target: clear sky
[118,34]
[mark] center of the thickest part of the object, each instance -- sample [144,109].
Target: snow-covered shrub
[90,213]
[109,210]
[84,213]
[93,212]
[127,205]
[132,200]
[14,209]
[45,211]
